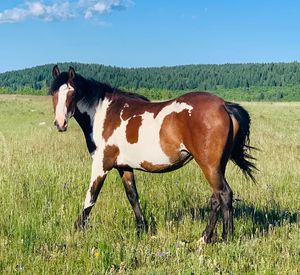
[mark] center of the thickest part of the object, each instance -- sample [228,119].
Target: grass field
[44,176]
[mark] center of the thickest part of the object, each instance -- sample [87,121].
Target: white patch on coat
[97,166]
[98,123]
[148,146]
[146,149]
[89,110]
[98,154]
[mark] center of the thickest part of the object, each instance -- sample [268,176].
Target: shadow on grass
[262,218]
[265,218]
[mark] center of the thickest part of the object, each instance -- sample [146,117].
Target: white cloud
[62,11]
[36,9]
[50,12]
[93,7]
[13,15]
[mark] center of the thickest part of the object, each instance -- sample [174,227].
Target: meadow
[44,176]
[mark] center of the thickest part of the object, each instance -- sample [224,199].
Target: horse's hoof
[142,228]
[80,225]
[215,238]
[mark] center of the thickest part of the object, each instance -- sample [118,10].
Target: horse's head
[63,97]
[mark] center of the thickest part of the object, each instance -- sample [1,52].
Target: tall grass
[45,174]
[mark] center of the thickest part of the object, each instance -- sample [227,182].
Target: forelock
[59,81]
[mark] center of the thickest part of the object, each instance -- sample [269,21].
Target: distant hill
[187,77]
[176,78]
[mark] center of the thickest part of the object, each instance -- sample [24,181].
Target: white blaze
[61,108]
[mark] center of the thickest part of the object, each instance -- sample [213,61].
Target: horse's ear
[71,73]
[55,72]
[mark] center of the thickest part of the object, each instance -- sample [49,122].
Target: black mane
[90,90]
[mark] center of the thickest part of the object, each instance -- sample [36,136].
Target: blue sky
[141,33]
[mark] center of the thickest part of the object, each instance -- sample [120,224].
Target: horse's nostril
[55,123]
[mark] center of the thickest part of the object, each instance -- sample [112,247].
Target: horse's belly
[137,156]
[151,158]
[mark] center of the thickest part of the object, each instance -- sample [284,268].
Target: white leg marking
[97,166]
[97,171]
[87,202]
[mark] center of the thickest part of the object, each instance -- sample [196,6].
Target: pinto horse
[126,131]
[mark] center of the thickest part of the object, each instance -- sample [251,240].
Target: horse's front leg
[133,197]
[97,179]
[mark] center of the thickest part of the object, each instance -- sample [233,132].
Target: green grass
[45,174]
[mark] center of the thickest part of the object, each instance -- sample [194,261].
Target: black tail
[240,154]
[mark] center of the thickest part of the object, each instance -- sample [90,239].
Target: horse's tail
[240,154]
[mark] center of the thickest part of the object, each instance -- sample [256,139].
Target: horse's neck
[84,115]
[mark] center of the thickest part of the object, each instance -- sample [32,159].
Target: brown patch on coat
[132,129]
[127,175]
[112,120]
[111,153]
[150,167]
[122,108]
[96,186]
[171,134]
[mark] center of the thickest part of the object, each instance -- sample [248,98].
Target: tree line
[176,78]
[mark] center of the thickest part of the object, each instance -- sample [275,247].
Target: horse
[126,131]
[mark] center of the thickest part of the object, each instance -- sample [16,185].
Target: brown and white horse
[126,131]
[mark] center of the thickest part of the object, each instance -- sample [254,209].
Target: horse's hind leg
[227,210]
[221,199]
[213,178]
[211,148]
[213,216]
[133,197]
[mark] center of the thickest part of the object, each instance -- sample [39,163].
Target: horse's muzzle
[61,128]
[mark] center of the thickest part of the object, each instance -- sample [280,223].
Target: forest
[253,81]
